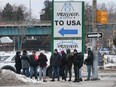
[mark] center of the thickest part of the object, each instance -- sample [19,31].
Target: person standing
[42,60]
[89,62]
[18,65]
[63,65]
[25,63]
[80,55]
[55,63]
[69,64]
[76,63]
[33,65]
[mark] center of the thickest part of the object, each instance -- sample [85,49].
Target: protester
[25,63]
[81,57]
[76,63]
[89,62]
[18,62]
[69,64]
[42,60]
[33,65]
[63,65]
[55,63]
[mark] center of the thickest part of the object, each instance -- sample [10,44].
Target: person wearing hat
[69,57]
[89,62]
[76,63]
[55,63]
[63,65]
[42,60]
[25,63]
[18,62]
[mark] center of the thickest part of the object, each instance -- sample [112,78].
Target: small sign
[94,35]
[68,44]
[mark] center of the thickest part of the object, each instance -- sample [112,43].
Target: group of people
[29,64]
[61,63]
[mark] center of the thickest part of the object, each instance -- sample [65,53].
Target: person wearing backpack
[33,65]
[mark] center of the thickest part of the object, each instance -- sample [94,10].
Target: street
[104,82]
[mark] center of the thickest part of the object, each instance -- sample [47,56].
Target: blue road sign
[68,31]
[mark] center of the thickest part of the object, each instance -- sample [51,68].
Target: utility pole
[30,13]
[94,40]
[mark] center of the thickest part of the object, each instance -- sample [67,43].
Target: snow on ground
[8,77]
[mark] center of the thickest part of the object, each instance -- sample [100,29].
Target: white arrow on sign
[94,35]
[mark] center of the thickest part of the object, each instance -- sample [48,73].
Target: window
[2,58]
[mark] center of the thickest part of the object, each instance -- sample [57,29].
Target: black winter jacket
[18,61]
[42,60]
[89,60]
[33,62]
[63,60]
[76,59]
[55,59]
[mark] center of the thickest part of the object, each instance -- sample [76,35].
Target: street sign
[67,19]
[94,35]
[68,44]
[68,25]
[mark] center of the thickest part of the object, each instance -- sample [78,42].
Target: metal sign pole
[94,49]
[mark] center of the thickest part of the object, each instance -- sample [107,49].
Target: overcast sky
[37,5]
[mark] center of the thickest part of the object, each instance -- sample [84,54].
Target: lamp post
[30,12]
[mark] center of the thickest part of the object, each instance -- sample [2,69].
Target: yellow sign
[102,16]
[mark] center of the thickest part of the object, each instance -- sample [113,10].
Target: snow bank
[9,77]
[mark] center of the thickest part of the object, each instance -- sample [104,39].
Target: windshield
[2,58]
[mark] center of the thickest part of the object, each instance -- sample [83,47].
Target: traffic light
[102,16]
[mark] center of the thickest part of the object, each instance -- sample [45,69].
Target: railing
[25,23]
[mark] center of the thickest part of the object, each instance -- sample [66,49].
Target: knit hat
[62,52]
[55,50]
[24,52]
[75,50]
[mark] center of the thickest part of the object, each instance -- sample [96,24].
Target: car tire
[49,72]
[9,68]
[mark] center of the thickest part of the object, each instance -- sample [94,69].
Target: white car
[7,61]
[109,61]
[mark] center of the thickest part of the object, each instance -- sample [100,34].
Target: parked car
[109,61]
[104,51]
[7,61]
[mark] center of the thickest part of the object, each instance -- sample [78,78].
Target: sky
[37,5]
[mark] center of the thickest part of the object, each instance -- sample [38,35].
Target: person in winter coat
[63,65]
[33,65]
[55,63]
[81,57]
[76,63]
[89,62]
[25,63]
[42,60]
[69,64]
[18,62]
